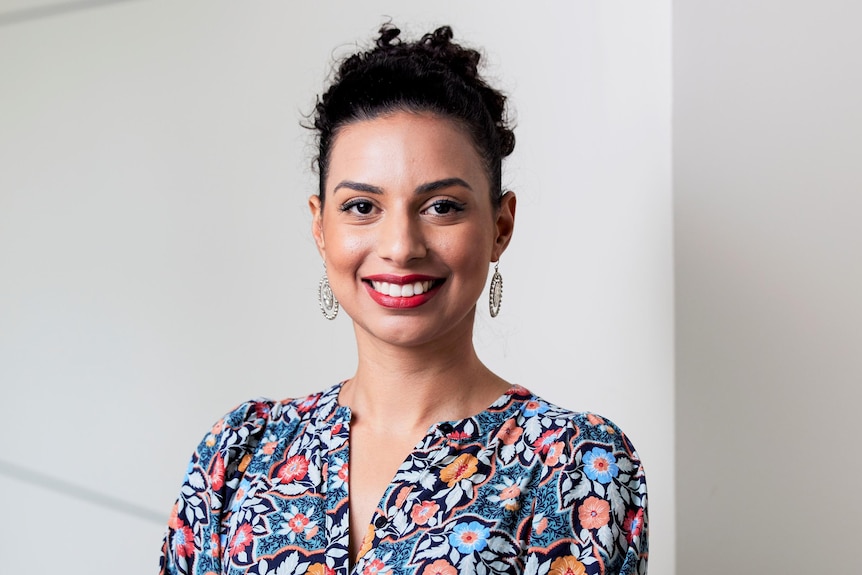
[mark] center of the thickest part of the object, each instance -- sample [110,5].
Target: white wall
[157,267]
[768,197]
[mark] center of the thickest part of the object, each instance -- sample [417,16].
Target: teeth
[398,290]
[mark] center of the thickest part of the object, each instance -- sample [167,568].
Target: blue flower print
[533,407]
[600,465]
[469,537]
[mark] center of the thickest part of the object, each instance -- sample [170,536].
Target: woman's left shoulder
[581,429]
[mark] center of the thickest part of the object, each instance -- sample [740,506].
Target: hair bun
[388,36]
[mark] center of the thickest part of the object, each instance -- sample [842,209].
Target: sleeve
[590,511]
[193,539]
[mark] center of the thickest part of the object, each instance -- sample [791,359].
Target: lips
[402,291]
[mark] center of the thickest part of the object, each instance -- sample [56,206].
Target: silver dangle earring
[496,293]
[328,303]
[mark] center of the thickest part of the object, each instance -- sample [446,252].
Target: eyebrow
[421,189]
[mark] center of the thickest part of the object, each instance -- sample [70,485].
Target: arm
[193,540]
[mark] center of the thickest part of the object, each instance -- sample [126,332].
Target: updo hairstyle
[433,74]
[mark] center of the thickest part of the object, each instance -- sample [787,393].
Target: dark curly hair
[433,74]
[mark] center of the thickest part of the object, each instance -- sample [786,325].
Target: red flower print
[594,513]
[458,435]
[174,521]
[261,409]
[633,524]
[375,567]
[307,403]
[439,567]
[517,390]
[343,472]
[543,442]
[184,541]
[240,540]
[510,432]
[269,447]
[217,473]
[295,468]
[422,512]
[297,523]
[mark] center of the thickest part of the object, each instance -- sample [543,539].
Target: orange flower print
[316,569]
[541,525]
[462,468]
[554,452]
[402,495]
[567,565]
[594,419]
[510,492]
[366,542]
[343,472]
[422,512]
[510,432]
[243,463]
[439,567]
[295,468]
[594,513]
[269,447]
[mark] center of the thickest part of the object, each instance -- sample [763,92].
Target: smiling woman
[423,461]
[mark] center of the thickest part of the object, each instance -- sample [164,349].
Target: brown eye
[444,207]
[360,207]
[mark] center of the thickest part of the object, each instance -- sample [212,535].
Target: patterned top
[523,487]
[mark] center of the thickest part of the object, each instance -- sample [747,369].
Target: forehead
[405,146]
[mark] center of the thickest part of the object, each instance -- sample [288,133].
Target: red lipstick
[431,287]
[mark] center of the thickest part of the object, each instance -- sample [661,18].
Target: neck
[409,389]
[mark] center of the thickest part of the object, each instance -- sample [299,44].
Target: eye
[444,207]
[358,206]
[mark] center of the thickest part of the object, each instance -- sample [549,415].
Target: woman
[424,461]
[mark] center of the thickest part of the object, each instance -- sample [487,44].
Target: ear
[504,224]
[317,224]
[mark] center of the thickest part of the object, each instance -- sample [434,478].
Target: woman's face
[408,229]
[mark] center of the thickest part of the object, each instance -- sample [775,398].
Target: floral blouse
[523,487]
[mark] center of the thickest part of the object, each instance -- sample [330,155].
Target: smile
[406,290]
[402,291]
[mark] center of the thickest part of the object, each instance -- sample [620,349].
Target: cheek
[343,249]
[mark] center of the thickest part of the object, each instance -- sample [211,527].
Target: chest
[440,500]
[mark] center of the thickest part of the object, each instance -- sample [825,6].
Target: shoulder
[239,431]
[546,428]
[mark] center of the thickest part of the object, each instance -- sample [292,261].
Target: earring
[328,303]
[495,295]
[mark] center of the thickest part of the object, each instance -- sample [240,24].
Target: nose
[401,238]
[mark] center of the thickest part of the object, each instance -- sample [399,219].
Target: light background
[156,265]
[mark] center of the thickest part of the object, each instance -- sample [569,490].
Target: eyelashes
[441,207]
[359,206]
